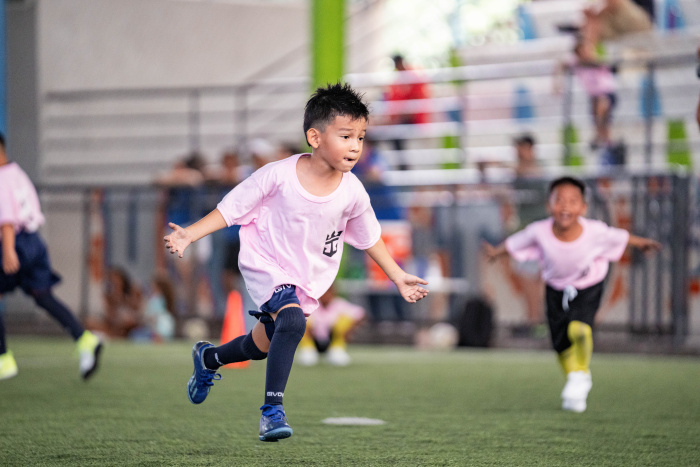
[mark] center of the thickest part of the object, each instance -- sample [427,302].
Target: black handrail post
[649,113]
[679,258]
[85,263]
[195,120]
[242,114]
[567,111]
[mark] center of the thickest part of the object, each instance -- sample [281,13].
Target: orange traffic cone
[234,324]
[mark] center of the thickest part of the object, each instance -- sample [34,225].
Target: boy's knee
[251,350]
[291,319]
[579,331]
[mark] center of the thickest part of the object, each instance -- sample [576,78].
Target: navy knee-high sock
[289,329]
[3,343]
[59,312]
[240,349]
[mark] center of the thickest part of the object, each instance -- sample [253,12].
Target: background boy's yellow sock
[340,330]
[307,342]
[567,360]
[581,337]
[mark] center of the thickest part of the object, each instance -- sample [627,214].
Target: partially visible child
[295,216]
[599,82]
[328,328]
[158,323]
[26,264]
[574,254]
[122,300]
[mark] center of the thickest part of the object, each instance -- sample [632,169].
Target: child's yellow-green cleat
[8,366]
[89,347]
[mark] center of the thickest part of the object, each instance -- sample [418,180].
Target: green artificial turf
[461,408]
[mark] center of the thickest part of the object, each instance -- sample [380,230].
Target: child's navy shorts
[35,272]
[582,308]
[283,295]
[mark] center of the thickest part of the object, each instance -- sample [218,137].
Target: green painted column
[327,41]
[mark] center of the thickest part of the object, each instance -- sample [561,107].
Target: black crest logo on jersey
[331,246]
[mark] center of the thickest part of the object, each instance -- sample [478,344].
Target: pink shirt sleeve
[522,246]
[363,230]
[7,215]
[242,205]
[612,241]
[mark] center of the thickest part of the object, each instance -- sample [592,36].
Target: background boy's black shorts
[35,272]
[582,308]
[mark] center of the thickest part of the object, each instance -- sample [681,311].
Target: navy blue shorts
[35,273]
[283,295]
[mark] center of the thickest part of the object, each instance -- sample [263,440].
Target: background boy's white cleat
[8,366]
[572,405]
[338,356]
[575,393]
[308,357]
[578,384]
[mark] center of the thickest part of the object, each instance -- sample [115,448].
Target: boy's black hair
[527,139]
[332,101]
[2,139]
[568,181]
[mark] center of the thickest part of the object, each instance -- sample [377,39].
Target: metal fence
[123,226]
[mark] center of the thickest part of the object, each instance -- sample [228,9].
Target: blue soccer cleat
[202,378]
[273,423]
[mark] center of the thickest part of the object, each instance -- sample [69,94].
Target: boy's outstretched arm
[409,285]
[181,238]
[493,252]
[10,260]
[644,244]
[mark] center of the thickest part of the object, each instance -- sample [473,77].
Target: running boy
[574,254]
[25,264]
[295,215]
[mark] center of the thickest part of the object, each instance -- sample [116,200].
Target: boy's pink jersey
[581,263]
[19,202]
[289,236]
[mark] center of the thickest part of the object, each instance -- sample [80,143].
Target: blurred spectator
[286,150]
[404,91]
[370,169]
[185,172]
[530,200]
[532,190]
[328,328]
[599,83]
[122,302]
[185,202]
[261,152]
[223,270]
[229,172]
[697,112]
[158,323]
[610,19]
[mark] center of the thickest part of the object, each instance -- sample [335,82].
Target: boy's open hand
[10,262]
[410,289]
[177,241]
[490,251]
[648,245]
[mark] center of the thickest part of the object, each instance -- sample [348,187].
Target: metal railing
[123,226]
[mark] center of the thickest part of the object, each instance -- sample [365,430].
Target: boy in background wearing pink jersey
[25,264]
[574,254]
[295,215]
[328,328]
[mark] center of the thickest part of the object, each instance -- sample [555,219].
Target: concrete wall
[22,91]
[98,44]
